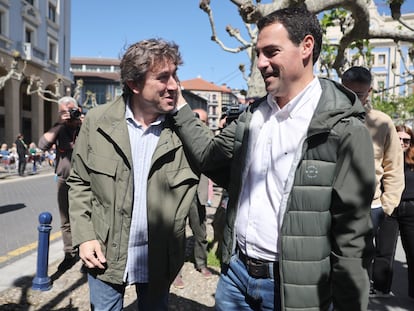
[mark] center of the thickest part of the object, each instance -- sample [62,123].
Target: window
[28,35]
[2,21]
[30,2]
[52,52]
[52,13]
[26,102]
[381,59]
[381,85]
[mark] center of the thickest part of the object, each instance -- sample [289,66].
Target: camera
[232,113]
[75,114]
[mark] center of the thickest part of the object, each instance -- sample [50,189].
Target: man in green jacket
[299,169]
[131,185]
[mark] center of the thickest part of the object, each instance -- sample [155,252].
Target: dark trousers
[22,165]
[197,222]
[402,219]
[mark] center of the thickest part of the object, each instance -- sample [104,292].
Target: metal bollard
[42,281]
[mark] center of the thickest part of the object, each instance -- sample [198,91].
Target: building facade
[219,98]
[391,63]
[34,65]
[99,77]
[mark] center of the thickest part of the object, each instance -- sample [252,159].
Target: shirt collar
[129,116]
[292,107]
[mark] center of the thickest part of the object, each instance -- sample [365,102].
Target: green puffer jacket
[326,234]
[101,195]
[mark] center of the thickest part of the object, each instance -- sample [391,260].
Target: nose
[262,61]
[173,83]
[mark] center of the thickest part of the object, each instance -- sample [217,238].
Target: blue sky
[106,28]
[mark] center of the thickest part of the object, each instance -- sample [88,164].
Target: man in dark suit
[21,151]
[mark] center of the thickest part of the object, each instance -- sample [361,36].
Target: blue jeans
[238,291]
[377,217]
[110,297]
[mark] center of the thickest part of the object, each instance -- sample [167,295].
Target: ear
[133,86]
[307,46]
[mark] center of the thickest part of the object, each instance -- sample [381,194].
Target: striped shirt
[143,144]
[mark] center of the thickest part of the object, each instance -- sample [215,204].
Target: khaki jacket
[101,195]
[389,160]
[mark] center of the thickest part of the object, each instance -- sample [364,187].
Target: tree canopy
[353,17]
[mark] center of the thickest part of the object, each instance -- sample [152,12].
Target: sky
[106,28]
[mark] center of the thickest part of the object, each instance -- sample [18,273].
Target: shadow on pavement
[400,301]
[55,301]
[25,284]
[177,303]
[11,207]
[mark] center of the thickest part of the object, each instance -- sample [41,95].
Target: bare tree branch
[355,28]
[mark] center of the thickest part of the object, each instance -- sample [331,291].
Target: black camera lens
[75,114]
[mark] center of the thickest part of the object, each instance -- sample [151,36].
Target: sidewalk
[70,291]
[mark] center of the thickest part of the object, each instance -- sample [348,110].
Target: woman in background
[405,211]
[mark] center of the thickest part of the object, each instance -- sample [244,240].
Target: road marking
[27,248]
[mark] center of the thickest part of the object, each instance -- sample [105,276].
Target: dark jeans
[403,219]
[377,218]
[22,165]
[197,222]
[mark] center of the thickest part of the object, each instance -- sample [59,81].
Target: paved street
[22,199]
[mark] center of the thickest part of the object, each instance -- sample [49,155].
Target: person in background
[389,169]
[299,168]
[22,152]
[34,157]
[63,134]
[197,221]
[402,220]
[197,215]
[131,185]
[13,156]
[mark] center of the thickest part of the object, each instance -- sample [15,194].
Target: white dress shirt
[276,136]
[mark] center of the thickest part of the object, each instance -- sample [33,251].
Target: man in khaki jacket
[131,185]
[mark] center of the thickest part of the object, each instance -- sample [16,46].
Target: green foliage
[364,51]
[212,260]
[398,108]
[339,17]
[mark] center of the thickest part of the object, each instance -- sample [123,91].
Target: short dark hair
[357,74]
[299,23]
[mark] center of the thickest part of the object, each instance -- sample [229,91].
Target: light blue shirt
[143,144]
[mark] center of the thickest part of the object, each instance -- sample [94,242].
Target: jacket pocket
[183,176]
[101,229]
[102,172]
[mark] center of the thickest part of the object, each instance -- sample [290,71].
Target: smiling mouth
[273,74]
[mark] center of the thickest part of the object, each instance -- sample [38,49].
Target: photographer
[64,134]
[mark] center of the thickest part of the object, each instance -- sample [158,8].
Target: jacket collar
[335,104]
[113,126]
